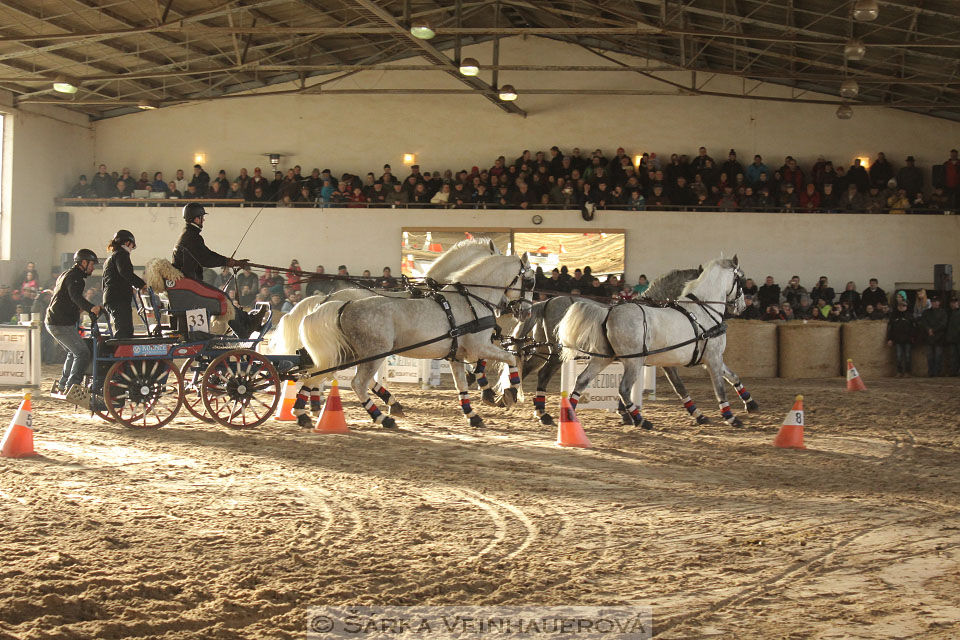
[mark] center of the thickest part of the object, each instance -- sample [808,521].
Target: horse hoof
[702,419]
[626,418]
[397,410]
[389,423]
[501,403]
[735,422]
[488,398]
[476,421]
[304,421]
[471,378]
[509,397]
[645,424]
[753,407]
[547,420]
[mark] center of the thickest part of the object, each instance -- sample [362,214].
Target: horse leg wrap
[691,408]
[574,399]
[748,401]
[625,417]
[316,401]
[634,412]
[480,373]
[465,405]
[374,412]
[728,414]
[540,403]
[300,404]
[383,394]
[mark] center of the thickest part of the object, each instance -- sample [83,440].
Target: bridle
[516,306]
[736,288]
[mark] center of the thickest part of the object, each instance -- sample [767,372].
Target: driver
[191,256]
[62,317]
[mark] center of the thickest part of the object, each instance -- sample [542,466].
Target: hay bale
[865,342]
[752,348]
[809,349]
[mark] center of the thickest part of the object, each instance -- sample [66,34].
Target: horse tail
[286,338]
[581,329]
[320,333]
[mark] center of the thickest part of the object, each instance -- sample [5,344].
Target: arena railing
[224,202]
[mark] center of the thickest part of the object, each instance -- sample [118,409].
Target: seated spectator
[874,201]
[258,195]
[123,190]
[810,201]
[938,200]
[728,201]
[852,201]
[144,182]
[898,203]
[789,200]
[658,200]
[82,189]
[290,302]
[850,295]
[214,192]
[357,199]
[159,184]
[773,313]
[750,288]
[636,202]
[396,195]
[846,311]
[377,195]
[816,314]
[172,191]
[750,311]
[305,198]
[387,281]
[787,312]
[441,198]
[873,295]
[804,309]
[834,314]
[829,200]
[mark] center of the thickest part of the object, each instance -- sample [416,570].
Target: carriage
[148,378]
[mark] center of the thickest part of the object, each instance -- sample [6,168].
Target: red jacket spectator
[810,199]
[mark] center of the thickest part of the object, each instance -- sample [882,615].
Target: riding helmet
[85,254]
[192,210]
[123,236]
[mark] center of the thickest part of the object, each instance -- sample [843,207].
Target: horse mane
[721,263]
[452,255]
[670,285]
[478,271]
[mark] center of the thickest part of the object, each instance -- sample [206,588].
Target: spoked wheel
[192,373]
[240,389]
[143,394]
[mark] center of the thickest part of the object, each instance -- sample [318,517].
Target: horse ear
[699,269]
[525,258]
[736,260]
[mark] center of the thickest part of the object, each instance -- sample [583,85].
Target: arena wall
[843,247]
[44,149]
[358,133]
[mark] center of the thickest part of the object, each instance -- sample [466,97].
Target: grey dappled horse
[661,336]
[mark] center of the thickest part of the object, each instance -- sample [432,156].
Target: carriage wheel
[143,394]
[192,375]
[240,389]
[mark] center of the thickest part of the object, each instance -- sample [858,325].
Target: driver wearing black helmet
[119,282]
[191,256]
[63,314]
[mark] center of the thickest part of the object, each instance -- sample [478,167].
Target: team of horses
[678,322]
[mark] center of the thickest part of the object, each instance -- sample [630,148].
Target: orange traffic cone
[285,409]
[331,419]
[854,381]
[18,441]
[570,432]
[791,433]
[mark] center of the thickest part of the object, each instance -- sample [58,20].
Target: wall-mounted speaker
[62,222]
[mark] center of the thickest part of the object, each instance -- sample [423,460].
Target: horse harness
[701,336]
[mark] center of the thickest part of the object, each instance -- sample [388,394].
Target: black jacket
[119,280]
[191,254]
[68,300]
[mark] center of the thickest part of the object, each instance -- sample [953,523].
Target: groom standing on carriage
[191,256]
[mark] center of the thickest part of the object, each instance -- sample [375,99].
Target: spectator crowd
[574,180]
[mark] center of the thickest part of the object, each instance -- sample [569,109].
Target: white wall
[45,149]
[843,247]
[359,133]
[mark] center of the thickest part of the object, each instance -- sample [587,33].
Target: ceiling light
[421,28]
[855,50]
[63,84]
[849,88]
[147,105]
[844,112]
[507,92]
[469,67]
[866,10]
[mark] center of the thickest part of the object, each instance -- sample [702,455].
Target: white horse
[637,334]
[366,330]
[286,337]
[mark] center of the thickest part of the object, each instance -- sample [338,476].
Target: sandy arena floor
[194,531]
